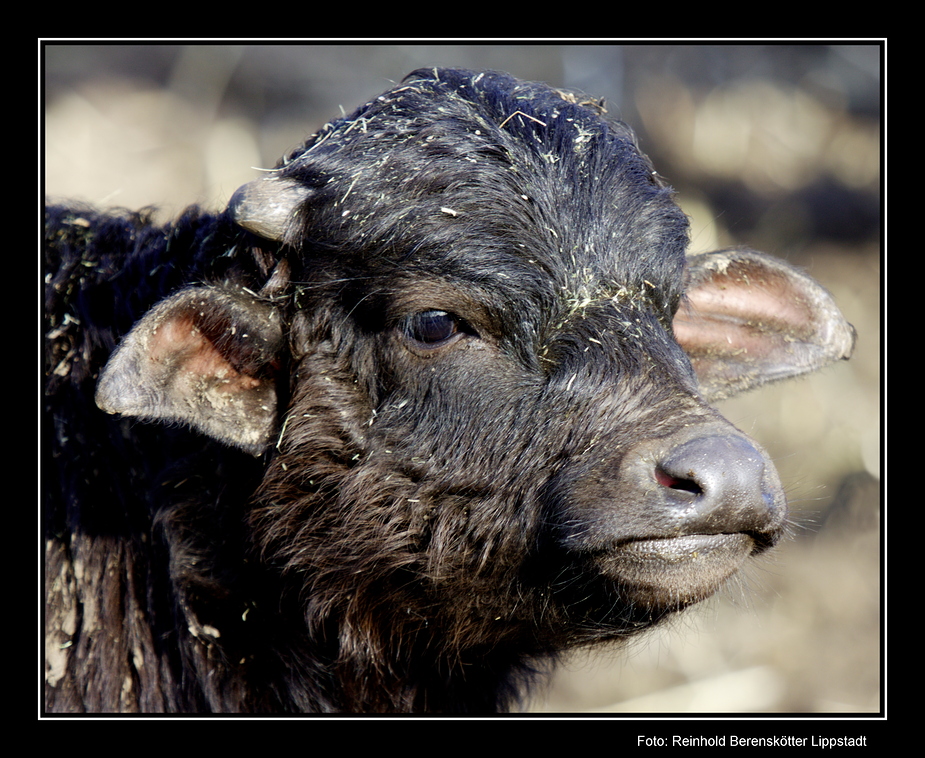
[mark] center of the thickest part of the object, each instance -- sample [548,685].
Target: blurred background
[773,146]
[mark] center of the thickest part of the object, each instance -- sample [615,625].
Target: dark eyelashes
[435,328]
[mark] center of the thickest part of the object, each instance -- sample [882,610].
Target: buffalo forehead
[457,175]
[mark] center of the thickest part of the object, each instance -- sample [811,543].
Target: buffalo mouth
[673,572]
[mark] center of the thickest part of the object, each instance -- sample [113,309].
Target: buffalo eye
[433,328]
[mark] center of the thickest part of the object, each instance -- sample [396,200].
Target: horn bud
[266,206]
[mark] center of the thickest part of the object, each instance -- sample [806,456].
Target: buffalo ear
[207,357]
[748,319]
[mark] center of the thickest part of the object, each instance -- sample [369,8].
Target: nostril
[718,483]
[677,483]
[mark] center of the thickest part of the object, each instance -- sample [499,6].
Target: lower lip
[675,571]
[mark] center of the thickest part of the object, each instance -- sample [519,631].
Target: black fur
[477,283]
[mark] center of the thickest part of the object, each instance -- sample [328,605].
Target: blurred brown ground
[773,146]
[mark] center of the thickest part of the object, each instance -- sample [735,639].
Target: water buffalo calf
[432,403]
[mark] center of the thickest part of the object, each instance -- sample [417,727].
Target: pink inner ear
[701,333]
[743,309]
[178,341]
[757,297]
[748,319]
[205,357]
